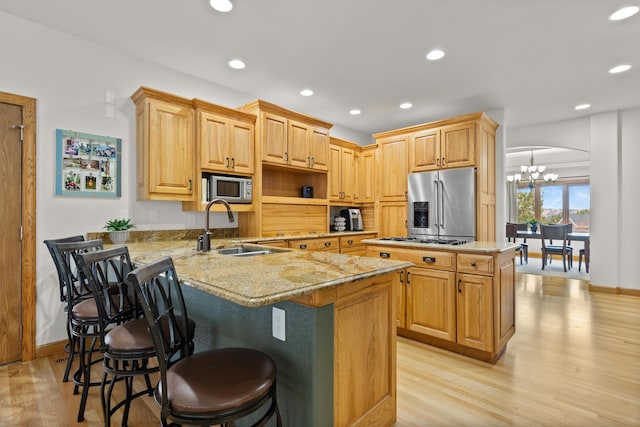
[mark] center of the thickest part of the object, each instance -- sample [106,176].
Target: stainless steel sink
[248,250]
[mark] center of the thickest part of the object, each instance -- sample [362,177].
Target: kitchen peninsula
[339,345]
[458,297]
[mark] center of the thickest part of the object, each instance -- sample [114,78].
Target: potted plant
[119,230]
[533,225]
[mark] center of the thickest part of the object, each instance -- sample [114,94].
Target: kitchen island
[458,297]
[337,362]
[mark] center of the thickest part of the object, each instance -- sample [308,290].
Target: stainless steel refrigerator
[442,204]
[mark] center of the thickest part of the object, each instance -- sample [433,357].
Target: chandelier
[532,173]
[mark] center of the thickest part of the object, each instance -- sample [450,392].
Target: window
[557,203]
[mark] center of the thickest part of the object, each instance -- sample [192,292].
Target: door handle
[233,163]
[459,286]
[408,277]
[400,272]
[190,184]
[226,162]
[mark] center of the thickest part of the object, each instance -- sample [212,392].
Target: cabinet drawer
[437,260]
[316,244]
[348,241]
[475,264]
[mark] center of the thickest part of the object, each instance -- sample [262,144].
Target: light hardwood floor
[574,361]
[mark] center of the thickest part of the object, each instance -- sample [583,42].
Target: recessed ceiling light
[624,13]
[237,64]
[221,5]
[582,106]
[435,54]
[355,112]
[619,69]
[306,92]
[406,105]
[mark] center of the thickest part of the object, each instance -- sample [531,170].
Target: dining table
[578,236]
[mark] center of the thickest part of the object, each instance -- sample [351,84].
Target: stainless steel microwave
[233,189]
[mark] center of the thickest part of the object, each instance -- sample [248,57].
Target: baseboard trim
[615,291]
[51,349]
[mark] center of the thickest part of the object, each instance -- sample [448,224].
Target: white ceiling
[534,59]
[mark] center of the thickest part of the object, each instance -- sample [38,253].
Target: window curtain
[512,202]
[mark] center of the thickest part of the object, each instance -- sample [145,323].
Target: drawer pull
[350,242]
[327,244]
[385,255]
[429,259]
[303,246]
[473,263]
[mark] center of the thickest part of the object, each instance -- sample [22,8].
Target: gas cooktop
[440,241]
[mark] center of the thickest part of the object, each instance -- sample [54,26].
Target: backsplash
[158,235]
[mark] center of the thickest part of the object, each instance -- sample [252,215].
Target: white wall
[629,229]
[69,77]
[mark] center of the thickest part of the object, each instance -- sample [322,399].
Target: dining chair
[216,386]
[512,233]
[557,232]
[58,262]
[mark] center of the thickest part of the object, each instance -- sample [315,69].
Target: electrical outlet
[278,324]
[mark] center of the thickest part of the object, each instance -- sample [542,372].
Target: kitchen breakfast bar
[337,362]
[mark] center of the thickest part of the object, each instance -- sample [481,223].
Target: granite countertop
[305,236]
[264,279]
[477,247]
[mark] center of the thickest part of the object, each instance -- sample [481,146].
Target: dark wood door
[10,232]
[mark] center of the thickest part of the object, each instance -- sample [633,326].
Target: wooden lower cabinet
[463,302]
[431,303]
[364,353]
[329,244]
[352,245]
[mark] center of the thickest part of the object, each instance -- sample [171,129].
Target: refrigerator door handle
[441,203]
[437,204]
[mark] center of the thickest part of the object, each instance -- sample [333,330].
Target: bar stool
[127,347]
[84,316]
[71,346]
[212,387]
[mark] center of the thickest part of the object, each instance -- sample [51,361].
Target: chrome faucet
[204,241]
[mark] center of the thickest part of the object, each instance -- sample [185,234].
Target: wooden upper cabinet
[451,146]
[342,171]
[457,144]
[226,144]
[366,171]
[393,170]
[424,150]
[164,145]
[274,139]
[319,149]
[291,139]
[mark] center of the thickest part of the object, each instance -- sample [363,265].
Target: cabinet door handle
[226,162]
[385,255]
[473,263]
[429,259]
[233,163]
[286,156]
[408,277]
[313,161]
[350,242]
[303,246]
[400,272]
[460,286]
[438,161]
[444,162]
[190,185]
[327,244]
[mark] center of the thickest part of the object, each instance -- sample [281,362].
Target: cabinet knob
[350,242]
[473,263]
[327,244]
